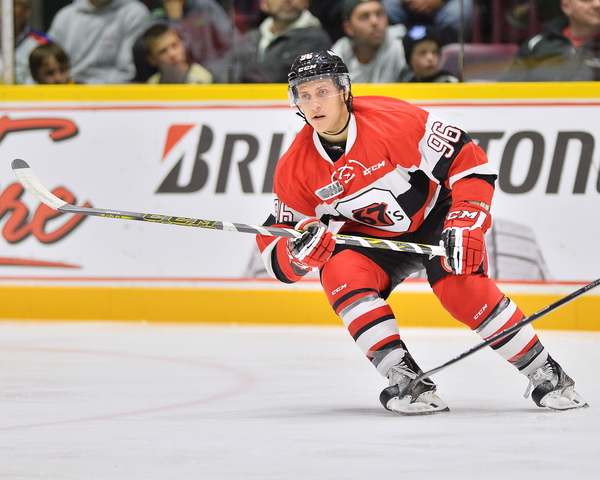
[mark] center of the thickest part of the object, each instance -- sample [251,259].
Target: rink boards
[209,151]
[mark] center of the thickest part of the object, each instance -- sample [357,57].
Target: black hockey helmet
[314,66]
[316,63]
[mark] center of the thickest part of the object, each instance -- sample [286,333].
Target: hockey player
[380,167]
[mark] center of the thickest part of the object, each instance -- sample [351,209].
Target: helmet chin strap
[300,113]
[342,130]
[348,102]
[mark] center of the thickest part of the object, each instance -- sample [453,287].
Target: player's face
[367,24]
[323,104]
[425,59]
[583,13]
[168,49]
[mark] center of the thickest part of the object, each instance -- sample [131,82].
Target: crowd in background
[256,41]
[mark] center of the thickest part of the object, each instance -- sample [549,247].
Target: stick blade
[31,183]
[17,163]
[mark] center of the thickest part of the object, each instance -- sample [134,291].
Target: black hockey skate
[420,400]
[553,388]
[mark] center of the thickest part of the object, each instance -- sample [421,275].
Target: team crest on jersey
[375,207]
[374,215]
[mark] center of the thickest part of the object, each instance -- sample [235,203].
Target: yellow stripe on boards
[286,307]
[447,93]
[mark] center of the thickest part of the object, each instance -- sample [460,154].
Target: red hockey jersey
[399,162]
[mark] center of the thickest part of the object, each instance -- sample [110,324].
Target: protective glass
[321,91]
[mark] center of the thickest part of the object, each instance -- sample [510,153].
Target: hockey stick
[31,183]
[504,333]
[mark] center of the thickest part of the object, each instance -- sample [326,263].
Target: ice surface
[132,401]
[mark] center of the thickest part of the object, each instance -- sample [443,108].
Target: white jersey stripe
[267,258]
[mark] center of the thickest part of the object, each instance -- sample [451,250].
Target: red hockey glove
[463,237]
[313,248]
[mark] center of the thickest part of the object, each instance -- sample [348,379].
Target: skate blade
[567,399]
[427,403]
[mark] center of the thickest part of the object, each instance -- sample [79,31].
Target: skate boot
[421,399]
[553,388]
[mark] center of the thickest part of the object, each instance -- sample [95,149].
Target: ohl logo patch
[374,214]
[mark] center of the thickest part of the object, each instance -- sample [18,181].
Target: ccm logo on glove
[462,214]
[463,237]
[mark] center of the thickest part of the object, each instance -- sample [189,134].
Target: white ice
[132,401]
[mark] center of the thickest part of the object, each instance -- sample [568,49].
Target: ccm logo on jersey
[346,173]
[462,214]
[339,289]
[368,170]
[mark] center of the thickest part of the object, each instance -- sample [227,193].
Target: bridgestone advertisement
[216,161]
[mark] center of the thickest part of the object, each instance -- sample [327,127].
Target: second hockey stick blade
[31,183]
[500,335]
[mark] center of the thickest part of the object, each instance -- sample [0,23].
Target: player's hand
[463,237]
[313,248]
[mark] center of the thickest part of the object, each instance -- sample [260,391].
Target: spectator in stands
[50,65]
[265,54]
[372,49]
[205,27]
[568,51]
[452,18]
[422,49]
[166,51]
[98,36]
[26,40]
